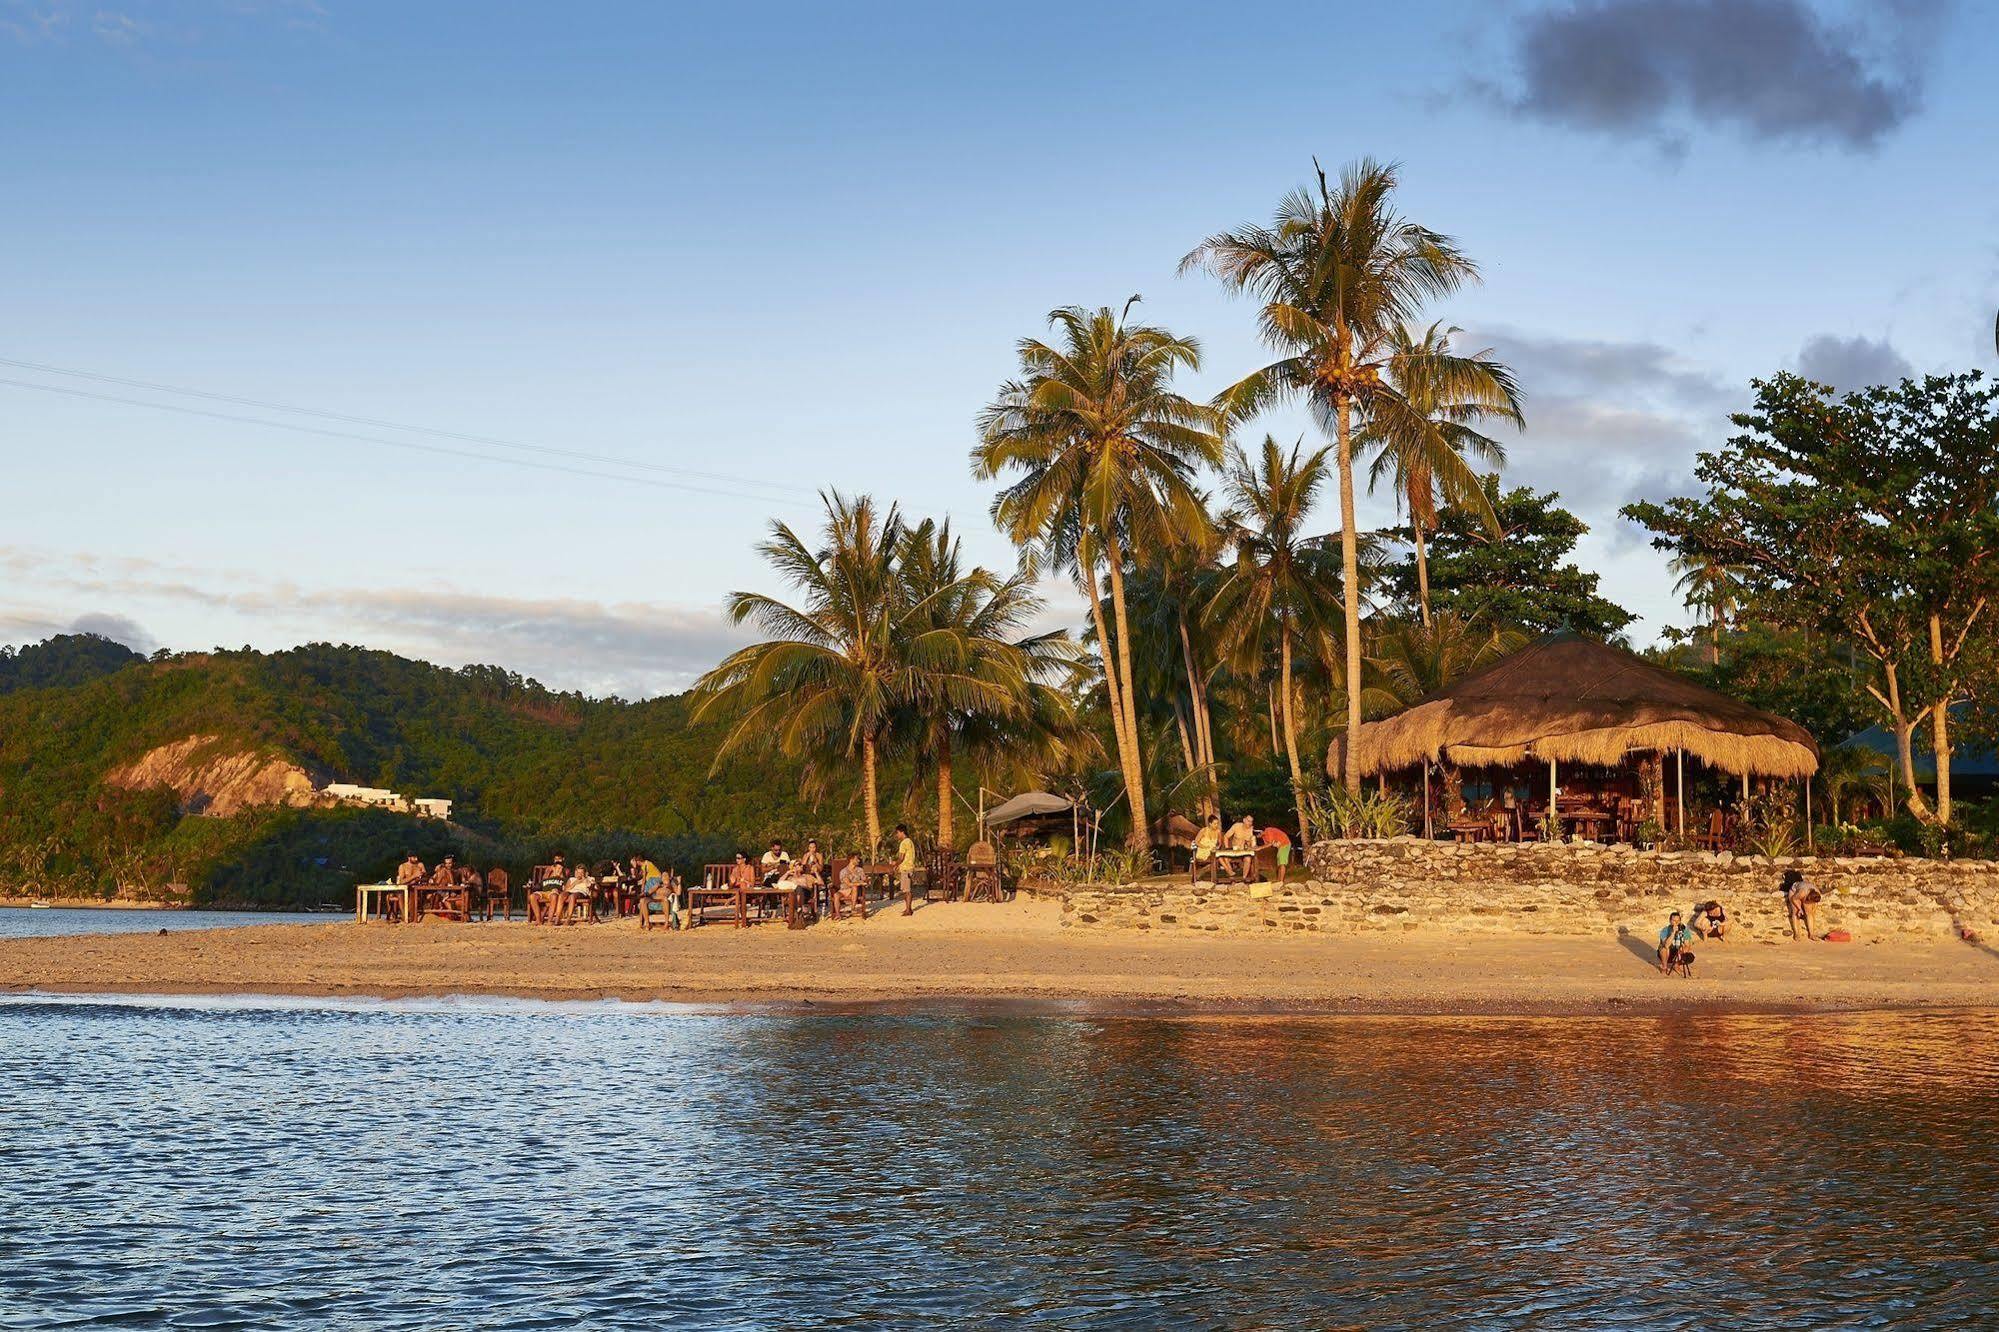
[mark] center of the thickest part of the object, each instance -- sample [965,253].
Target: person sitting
[743,874]
[1206,845]
[1676,948]
[574,900]
[1276,837]
[445,875]
[656,889]
[411,871]
[1710,920]
[545,892]
[852,894]
[775,862]
[1801,900]
[808,874]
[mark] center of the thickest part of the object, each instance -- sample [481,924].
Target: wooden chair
[494,894]
[1717,837]
[982,877]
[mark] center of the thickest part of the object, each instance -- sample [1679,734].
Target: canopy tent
[1026,805]
[1574,700]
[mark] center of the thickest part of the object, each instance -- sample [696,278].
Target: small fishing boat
[40,904]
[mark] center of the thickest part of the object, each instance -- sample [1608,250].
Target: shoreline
[1012,958]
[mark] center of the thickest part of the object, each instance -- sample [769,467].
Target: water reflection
[517,1167]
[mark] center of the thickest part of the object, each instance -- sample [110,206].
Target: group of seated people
[809,873]
[1231,852]
[448,874]
[562,894]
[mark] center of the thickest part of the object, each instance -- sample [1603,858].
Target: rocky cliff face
[216,780]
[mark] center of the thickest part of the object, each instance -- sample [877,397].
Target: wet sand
[1016,952]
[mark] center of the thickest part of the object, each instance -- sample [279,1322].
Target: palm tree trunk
[1422,574]
[1121,728]
[870,794]
[1714,635]
[1940,727]
[1140,837]
[1290,726]
[1350,570]
[1272,699]
[1204,734]
[944,828]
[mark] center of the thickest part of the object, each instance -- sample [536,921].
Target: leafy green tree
[1415,660]
[1870,519]
[1102,454]
[1339,272]
[1522,575]
[1710,588]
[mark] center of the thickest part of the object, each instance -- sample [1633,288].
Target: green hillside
[531,771]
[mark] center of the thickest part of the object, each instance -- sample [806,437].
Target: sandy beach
[1013,952]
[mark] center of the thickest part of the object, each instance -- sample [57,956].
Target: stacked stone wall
[1356,887]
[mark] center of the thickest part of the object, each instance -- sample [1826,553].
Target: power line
[677,486]
[722,478]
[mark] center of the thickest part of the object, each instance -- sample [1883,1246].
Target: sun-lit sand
[1014,952]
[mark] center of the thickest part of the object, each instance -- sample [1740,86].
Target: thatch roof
[1575,700]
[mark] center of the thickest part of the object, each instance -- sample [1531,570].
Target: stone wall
[1409,884]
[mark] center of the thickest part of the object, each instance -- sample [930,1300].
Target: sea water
[479,1164]
[46,922]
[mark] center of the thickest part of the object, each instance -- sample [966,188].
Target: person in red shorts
[1277,837]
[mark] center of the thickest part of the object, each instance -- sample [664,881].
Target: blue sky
[785,247]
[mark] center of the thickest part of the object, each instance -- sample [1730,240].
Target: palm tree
[1000,703]
[1339,272]
[1415,660]
[1712,588]
[1423,446]
[1271,584]
[829,680]
[1171,593]
[1103,453]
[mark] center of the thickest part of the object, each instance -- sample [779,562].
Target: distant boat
[40,905]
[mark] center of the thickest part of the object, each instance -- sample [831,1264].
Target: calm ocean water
[274,1163]
[33,923]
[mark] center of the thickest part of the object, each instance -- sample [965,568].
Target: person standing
[1276,838]
[905,867]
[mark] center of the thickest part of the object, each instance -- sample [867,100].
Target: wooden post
[1680,789]
[1428,835]
[1745,788]
[1554,806]
[1809,846]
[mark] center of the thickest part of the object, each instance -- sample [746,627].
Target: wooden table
[740,898]
[382,893]
[1589,822]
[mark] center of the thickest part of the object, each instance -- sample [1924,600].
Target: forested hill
[66,659]
[197,771]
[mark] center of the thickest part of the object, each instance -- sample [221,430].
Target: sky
[518,324]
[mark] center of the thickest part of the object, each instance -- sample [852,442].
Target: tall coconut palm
[1339,272]
[1712,588]
[1272,585]
[828,681]
[1005,706]
[1422,440]
[1103,454]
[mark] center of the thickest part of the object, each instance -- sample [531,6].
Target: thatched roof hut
[1575,700]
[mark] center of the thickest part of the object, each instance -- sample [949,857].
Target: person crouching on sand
[1675,948]
[1710,921]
